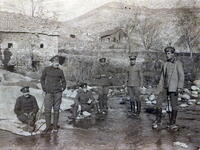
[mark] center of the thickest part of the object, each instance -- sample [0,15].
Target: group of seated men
[26,107]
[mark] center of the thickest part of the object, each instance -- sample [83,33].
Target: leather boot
[138,107]
[174,115]
[132,103]
[173,125]
[55,121]
[48,123]
[157,122]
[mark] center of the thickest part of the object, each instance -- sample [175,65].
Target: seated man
[85,100]
[26,108]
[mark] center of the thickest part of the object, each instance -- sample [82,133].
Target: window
[42,45]
[10,45]
[72,35]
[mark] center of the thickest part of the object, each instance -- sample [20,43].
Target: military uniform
[134,80]
[7,56]
[26,109]
[53,84]
[86,101]
[102,76]
[171,80]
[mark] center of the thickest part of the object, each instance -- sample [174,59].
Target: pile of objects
[189,96]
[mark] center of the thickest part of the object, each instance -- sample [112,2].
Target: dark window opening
[72,35]
[41,45]
[10,45]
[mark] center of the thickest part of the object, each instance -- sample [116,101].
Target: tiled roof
[10,22]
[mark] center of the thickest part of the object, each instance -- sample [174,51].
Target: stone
[197,83]
[152,97]
[179,99]
[195,95]
[195,88]
[183,145]
[187,91]
[184,105]
[184,96]
[194,92]
[143,90]
[193,100]
[190,103]
[198,103]
[154,102]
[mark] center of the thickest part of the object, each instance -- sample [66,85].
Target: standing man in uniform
[134,81]
[103,76]
[53,84]
[171,83]
[7,57]
[26,108]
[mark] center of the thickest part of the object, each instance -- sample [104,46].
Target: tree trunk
[190,50]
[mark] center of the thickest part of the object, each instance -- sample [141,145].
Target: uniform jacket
[53,80]
[83,97]
[134,76]
[172,76]
[102,75]
[26,105]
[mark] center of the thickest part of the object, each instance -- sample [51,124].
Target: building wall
[26,46]
[28,42]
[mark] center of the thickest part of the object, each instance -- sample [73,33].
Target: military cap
[169,49]
[132,57]
[102,59]
[56,57]
[25,89]
[82,85]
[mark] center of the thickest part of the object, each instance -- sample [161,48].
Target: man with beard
[53,84]
[26,108]
[171,83]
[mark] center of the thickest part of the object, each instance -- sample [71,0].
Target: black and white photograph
[99,74]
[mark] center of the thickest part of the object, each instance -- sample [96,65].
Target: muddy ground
[116,132]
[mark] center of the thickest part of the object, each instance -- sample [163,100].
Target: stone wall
[27,45]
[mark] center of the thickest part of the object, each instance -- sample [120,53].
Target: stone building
[116,35]
[28,38]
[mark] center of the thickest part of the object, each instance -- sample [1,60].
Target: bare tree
[149,34]
[36,6]
[188,25]
[130,28]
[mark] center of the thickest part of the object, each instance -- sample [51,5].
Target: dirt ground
[116,132]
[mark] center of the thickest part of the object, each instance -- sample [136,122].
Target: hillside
[112,15]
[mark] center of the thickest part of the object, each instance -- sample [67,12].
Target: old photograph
[99,74]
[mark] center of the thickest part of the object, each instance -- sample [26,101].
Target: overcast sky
[69,9]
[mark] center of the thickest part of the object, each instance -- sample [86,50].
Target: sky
[69,9]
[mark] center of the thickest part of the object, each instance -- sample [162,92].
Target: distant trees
[149,32]
[143,33]
[188,25]
[130,28]
[34,8]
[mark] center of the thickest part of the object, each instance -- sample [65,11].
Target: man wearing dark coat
[171,83]
[26,108]
[53,84]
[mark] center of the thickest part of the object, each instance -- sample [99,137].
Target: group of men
[53,84]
